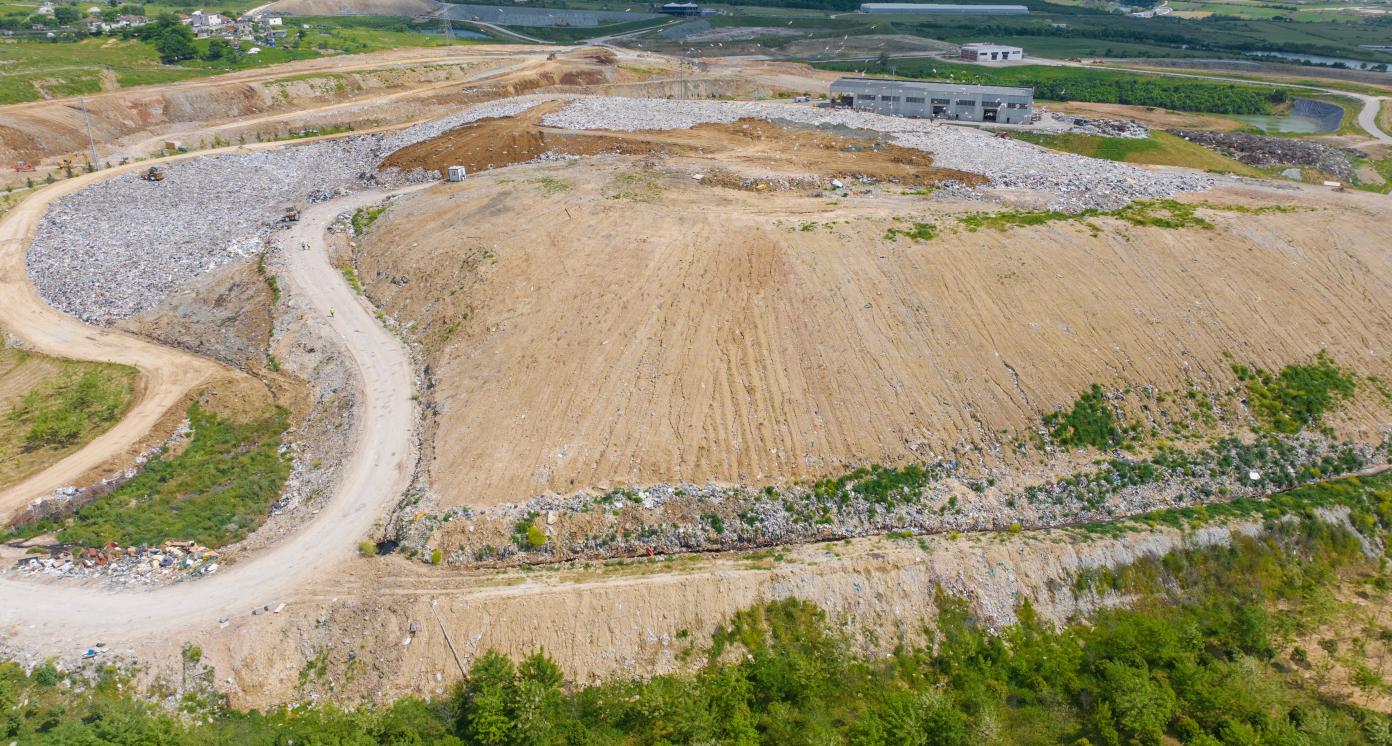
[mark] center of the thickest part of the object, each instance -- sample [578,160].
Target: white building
[985,52]
[206,24]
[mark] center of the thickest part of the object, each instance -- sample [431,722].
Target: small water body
[1285,124]
[1316,59]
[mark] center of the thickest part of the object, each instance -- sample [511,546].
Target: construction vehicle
[292,215]
[1002,134]
[154,174]
[22,166]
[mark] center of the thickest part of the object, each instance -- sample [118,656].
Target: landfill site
[581,351]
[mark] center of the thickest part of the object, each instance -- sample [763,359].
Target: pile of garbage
[126,565]
[1260,150]
[1111,128]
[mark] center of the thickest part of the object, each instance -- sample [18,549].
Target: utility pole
[91,142]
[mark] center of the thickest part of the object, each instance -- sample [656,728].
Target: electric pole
[91,142]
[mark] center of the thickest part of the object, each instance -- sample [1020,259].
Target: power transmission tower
[91,142]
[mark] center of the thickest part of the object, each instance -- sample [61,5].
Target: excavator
[155,173]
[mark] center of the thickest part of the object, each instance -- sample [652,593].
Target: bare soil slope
[599,323]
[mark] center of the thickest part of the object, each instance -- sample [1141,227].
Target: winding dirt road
[62,618]
[167,374]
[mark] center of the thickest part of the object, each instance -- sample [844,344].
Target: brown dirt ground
[749,143]
[1159,118]
[596,323]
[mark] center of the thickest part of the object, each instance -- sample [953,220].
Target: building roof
[942,86]
[989,47]
[939,8]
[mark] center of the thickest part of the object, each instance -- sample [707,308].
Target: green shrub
[535,536]
[1299,395]
[1090,422]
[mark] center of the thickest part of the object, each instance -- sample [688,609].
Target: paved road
[61,618]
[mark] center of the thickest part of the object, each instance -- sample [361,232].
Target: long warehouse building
[945,9]
[935,99]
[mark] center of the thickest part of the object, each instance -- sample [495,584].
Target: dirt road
[58,619]
[167,375]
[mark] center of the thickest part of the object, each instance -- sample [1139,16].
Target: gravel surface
[1077,182]
[122,246]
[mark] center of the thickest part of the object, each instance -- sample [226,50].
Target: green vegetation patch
[214,492]
[881,485]
[919,232]
[364,217]
[1299,395]
[49,407]
[1090,422]
[1161,149]
[1161,213]
[73,407]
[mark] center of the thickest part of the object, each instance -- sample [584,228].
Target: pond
[1316,59]
[1278,123]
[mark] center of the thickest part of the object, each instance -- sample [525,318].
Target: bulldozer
[153,174]
[292,215]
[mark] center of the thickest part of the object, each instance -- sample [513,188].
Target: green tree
[217,49]
[175,44]
[482,701]
[1140,705]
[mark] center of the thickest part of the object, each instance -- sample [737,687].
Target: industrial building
[940,9]
[935,99]
[679,9]
[991,53]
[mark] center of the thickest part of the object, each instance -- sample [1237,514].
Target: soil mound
[752,143]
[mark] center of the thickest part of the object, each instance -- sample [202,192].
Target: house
[206,24]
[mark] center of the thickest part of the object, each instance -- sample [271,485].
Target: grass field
[50,407]
[31,70]
[1160,149]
